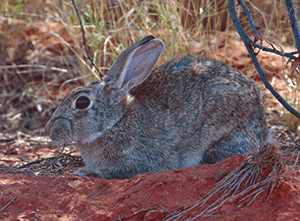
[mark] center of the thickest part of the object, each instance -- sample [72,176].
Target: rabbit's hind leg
[240,143]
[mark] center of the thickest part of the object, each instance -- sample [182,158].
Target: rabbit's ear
[132,67]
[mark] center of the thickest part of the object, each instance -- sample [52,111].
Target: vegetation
[183,25]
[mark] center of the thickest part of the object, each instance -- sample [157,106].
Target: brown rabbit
[189,111]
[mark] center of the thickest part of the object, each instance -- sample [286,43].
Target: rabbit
[187,112]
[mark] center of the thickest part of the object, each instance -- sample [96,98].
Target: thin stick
[96,194]
[8,204]
[137,212]
[84,40]
[294,21]
[35,162]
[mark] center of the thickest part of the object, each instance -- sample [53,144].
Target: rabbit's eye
[82,102]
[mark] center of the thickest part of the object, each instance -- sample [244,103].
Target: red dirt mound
[144,197]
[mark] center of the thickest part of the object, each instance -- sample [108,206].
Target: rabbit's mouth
[56,136]
[60,131]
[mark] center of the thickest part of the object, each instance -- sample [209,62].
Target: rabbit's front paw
[84,171]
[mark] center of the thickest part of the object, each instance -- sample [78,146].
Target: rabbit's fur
[189,111]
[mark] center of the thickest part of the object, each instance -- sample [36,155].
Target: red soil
[144,197]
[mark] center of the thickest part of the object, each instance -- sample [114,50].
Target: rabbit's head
[87,112]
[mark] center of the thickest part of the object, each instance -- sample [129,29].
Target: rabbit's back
[197,105]
[192,77]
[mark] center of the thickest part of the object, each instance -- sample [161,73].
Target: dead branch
[250,45]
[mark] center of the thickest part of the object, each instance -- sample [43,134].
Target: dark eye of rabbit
[82,102]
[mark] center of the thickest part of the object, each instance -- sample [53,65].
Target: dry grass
[183,25]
